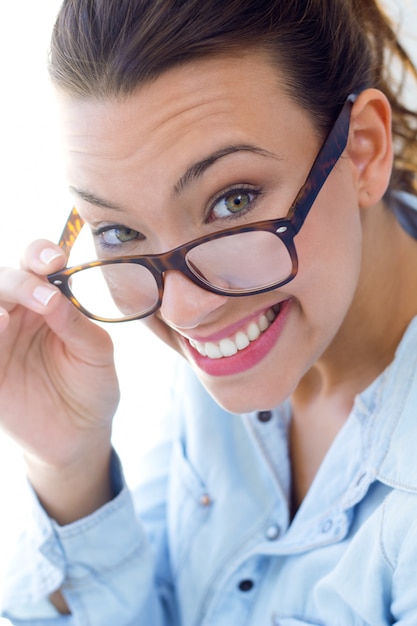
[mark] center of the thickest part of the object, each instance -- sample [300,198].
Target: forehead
[180,117]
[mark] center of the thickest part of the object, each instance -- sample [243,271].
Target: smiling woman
[245,173]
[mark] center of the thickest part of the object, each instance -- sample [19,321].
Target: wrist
[77,489]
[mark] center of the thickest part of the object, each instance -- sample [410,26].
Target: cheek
[330,255]
[163,332]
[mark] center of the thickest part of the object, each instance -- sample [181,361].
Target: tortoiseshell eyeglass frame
[285,228]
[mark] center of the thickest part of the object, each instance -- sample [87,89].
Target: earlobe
[370,145]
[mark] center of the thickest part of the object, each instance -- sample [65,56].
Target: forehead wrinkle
[103,147]
[192,102]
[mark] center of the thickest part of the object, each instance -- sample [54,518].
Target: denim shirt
[207,540]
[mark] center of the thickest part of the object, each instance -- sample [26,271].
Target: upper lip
[230,330]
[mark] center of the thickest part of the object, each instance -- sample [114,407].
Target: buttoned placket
[311,528]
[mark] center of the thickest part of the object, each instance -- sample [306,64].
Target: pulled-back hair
[326,49]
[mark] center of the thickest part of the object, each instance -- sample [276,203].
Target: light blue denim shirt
[208,540]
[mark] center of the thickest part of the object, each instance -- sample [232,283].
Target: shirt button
[205,500]
[272,532]
[264,416]
[327,525]
[246,585]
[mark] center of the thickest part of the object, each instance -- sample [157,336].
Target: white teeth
[212,351]
[200,348]
[227,347]
[230,345]
[242,340]
[253,331]
[263,323]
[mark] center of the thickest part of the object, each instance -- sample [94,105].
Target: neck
[384,304]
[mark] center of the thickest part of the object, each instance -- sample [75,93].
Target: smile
[230,346]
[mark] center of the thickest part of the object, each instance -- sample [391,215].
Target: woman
[241,155]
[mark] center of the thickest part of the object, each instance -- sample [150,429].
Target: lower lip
[247,358]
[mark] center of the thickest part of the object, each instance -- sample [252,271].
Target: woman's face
[205,147]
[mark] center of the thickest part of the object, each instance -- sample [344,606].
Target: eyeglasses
[240,261]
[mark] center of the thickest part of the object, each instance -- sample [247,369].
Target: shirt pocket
[189,507]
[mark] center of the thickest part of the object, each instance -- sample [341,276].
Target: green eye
[237,202]
[232,204]
[116,235]
[125,234]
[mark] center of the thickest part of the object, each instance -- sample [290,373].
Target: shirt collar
[388,412]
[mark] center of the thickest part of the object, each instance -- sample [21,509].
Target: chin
[238,395]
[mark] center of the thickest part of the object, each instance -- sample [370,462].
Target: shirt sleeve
[111,567]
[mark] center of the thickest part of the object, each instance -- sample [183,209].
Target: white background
[34,203]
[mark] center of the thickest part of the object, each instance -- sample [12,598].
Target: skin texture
[346,310]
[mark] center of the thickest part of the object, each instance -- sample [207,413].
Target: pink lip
[244,359]
[229,330]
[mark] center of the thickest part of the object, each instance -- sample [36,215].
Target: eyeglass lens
[235,264]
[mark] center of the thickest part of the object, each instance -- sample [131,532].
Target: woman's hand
[58,386]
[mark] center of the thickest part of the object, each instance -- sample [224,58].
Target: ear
[370,145]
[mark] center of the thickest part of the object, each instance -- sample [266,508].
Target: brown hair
[326,48]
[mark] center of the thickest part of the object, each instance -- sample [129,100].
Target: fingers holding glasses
[27,286]
[27,289]
[43,257]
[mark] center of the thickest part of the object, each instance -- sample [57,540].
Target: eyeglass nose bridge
[173,261]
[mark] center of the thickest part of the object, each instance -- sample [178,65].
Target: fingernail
[49,254]
[44,295]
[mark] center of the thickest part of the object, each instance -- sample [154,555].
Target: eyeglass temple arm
[328,156]
[71,231]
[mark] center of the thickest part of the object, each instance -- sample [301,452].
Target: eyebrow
[194,172]
[92,198]
[197,169]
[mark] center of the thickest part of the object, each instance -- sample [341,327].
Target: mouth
[230,346]
[243,349]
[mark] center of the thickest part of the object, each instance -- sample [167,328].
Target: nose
[186,305]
